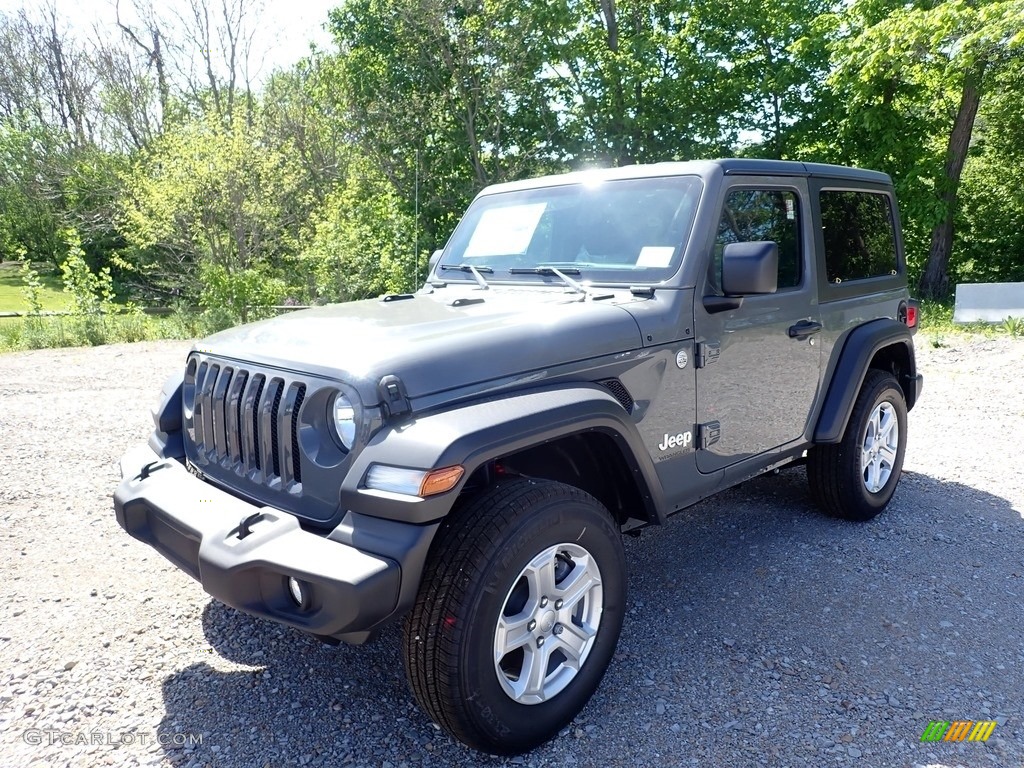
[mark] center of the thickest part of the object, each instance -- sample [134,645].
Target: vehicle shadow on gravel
[749,615]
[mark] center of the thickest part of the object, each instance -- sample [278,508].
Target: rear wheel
[518,615]
[855,478]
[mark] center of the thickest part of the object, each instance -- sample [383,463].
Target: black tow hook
[150,468]
[245,527]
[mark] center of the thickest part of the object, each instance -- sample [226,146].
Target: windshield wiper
[563,275]
[475,271]
[543,270]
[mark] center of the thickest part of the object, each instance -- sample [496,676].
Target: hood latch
[393,395]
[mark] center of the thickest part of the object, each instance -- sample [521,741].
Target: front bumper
[199,528]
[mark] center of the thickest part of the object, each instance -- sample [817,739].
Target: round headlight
[345,421]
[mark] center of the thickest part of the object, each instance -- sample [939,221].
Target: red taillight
[912,316]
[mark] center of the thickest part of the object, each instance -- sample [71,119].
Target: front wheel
[518,614]
[855,478]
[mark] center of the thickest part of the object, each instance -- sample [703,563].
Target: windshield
[621,231]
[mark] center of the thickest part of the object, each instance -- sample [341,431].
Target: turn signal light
[413,482]
[440,480]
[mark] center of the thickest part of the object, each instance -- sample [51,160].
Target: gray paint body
[489,372]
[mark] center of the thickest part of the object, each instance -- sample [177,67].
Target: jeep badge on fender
[681,440]
[474,451]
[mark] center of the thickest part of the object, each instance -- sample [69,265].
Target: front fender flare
[474,433]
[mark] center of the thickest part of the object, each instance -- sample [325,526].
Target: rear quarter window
[859,233]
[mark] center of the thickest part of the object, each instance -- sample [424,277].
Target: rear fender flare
[855,353]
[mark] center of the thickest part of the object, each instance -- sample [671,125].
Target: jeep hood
[437,341]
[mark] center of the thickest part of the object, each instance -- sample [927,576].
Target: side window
[760,214]
[859,235]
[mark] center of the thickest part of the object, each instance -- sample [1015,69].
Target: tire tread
[430,641]
[833,485]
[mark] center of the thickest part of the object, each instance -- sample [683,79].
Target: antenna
[416,226]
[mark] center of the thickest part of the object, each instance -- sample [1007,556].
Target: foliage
[362,240]
[209,193]
[32,292]
[30,215]
[240,295]
[92,294]
[910,78]
[990,220]
[93,318]
[935,321]
[641,82]
[443,96]
[187,182]
[1014,326]
[47,332]
[33,288]
[298,111]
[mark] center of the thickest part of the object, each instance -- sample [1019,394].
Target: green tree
[299,111]
[777,61]
[30,214]
[444,96]
[211,194]
[361,243]
[911,81]
[990,219]
[642,82]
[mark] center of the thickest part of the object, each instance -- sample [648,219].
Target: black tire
[481,552]
[835,472]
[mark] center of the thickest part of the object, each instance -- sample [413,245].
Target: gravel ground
[759,633]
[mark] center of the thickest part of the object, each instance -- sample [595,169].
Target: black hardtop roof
[733,166]
[738,165]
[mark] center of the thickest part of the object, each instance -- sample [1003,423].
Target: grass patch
[12,299]
[936,323]
[94,319]
[23,333]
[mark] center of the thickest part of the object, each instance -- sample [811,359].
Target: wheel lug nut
[558,629]
[540,641]
[531,626]
[558,605]
[543,602]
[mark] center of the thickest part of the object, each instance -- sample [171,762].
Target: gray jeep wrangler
[591,353]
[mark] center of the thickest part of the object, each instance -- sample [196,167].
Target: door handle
[803,329]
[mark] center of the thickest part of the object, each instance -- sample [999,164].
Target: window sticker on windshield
[505,230]
[655,256]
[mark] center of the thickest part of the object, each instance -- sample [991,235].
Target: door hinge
[707,353]
[709,434]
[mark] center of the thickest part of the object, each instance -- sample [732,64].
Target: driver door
[758,363]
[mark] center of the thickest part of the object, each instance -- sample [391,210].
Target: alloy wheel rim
[548,623]
[880,447]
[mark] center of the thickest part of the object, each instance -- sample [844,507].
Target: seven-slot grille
[247,421]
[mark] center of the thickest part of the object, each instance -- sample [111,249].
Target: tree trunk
[156,58]
[934,282]
[617,123]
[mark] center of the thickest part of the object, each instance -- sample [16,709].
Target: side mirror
[434,258]
[750,268]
